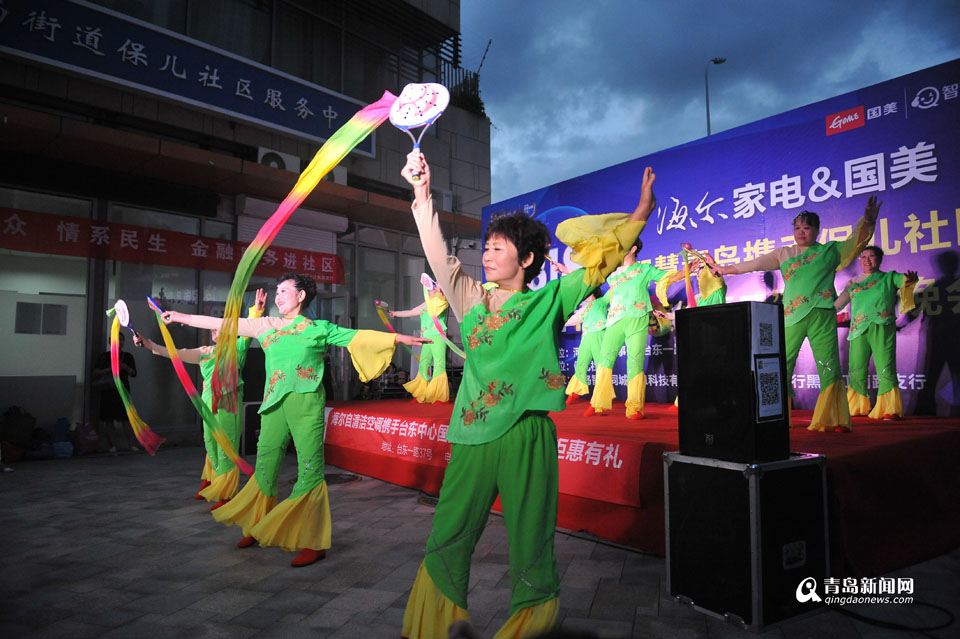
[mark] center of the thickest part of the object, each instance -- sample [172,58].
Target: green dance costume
[808,314]
[293,401]
[431,386]
[502,441]
[594,316]
[626,323]
[218,469]
[873,316]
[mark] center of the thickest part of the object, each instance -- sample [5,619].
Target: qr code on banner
[766,335]
[769,386]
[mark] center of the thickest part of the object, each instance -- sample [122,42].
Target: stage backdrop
[737,192]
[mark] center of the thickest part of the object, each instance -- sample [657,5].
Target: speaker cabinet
[732,382]
[741,538]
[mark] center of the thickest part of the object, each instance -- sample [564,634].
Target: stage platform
[892,486]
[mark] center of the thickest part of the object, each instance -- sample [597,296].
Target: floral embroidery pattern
[798,264]
[277,376]
[797,302]
[863,286]
[272,338]
[479,408]
[307,373]
[553,380]
[487,326]
[857,321]
[884,314]
[827,295]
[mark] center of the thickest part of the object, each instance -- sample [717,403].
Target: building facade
[145,142]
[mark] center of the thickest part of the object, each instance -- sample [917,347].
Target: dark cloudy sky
[575,86]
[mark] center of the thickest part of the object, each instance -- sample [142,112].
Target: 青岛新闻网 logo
[807,591]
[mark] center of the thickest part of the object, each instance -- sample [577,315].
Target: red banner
[79,237]
[594,467]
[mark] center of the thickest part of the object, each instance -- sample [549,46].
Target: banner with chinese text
[64,235]
[591,466]
[736,194]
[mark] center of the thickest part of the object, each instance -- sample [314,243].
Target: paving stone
[91,558]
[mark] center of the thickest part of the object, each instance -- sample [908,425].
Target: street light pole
[706,86]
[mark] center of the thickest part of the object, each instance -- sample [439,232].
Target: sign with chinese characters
[79,237]
[101,43]
[594,467]
[737,192]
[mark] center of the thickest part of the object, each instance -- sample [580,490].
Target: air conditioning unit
[443,199]
[278,159]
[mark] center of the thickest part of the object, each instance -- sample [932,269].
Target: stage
[892,486]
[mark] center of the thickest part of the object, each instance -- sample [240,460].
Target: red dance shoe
[218,504]
[246,542]
[571,398]
[308,556]
[591,411]
[636,416]
[203,485]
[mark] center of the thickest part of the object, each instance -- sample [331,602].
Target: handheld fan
[419,105]
[123,315]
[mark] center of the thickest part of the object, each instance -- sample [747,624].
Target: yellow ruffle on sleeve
[852,247]
[253,312]
[436,304]
[599,242]
[709,283]
[663,284]
[907,302]
[371,352]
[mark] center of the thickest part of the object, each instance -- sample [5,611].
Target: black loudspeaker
[744,541]
[732,382]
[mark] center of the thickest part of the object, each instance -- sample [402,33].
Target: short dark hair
[877,252]
[809,217]
[303,283]
[527,234]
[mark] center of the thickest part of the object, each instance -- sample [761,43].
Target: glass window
[45,203]
[155,390]
[240,26]
[169,14]
[217,230]
[153,219]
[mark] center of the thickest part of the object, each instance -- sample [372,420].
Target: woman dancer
[502,440]
[293,348]
[430,386]
[627,321]
[220,477]
[873,311]
[809,269]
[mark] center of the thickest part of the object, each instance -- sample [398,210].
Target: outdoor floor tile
[91,558]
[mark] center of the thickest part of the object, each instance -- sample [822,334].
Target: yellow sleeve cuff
[854,245]
[253,312]
[906,296]
[371,352]
[599,242]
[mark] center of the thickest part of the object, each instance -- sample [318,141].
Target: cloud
[572,87]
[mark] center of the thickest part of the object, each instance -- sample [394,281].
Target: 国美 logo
[845,120]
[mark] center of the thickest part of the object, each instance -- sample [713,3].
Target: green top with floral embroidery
[511,365]
[873,300]
[594,314]
[808,281]
[208,362]
[629,294]
[294,357]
